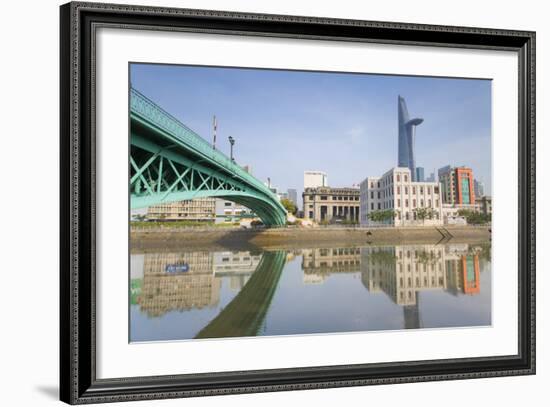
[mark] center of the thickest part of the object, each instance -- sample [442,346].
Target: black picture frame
[78,382]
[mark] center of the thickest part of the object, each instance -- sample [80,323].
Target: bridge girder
[163,173]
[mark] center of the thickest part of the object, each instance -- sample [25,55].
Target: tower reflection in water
[182,282]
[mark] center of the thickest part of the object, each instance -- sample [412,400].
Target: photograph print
[269,202]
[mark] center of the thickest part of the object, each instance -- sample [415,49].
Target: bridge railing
[143,106]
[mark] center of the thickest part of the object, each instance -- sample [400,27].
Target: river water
[212,294]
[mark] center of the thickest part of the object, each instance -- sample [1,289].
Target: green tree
[384,215]
[140,217]
[424,213]
[289,206]
[474,217]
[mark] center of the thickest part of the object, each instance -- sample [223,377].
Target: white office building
[396,191]
[315,179]
[227,211]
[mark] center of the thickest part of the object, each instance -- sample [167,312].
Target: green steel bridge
[170,162]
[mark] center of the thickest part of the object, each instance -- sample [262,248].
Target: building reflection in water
[193,280]
[188,280]
[318,264]
[402,272]
[238,266]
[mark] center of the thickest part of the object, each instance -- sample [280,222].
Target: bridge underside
[163,171]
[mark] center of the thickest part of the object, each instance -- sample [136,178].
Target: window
[421,203]
[429,190]
[406,190]
[406,204]
[405,178]
[372,184]
[398,178]
[378,194]
[398,190]
[378,184]
[414,203]
[334,198]
[414,190]
[436,190]
[421,190]
[324,198]
[379,205]
[345,198]
[227,203]
[372,206]
[429,203]
[399,202]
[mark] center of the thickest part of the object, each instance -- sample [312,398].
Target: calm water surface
[205,294]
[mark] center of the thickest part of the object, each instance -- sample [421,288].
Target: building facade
[479,188]
[485,205]
[395,190]
[315,179]
[420,174]
[324,204]
[457,185]
[293,196]
[196,210]
[227,211]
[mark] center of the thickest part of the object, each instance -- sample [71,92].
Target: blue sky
[287,122]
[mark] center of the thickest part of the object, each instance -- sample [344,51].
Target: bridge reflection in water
[237,288]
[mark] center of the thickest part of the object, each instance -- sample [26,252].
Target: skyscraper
[293,195]
[406,134]
[479,188]
[420,174]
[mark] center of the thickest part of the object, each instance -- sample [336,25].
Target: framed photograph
[255,203]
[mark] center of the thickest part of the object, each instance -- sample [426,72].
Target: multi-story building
[324,204]
[485,205]
[200,209]
[227,211]
[315,179]
[431,178]
[293,195]
[396,191]
[457,185]
[282,195]
[479,188]
[420,174]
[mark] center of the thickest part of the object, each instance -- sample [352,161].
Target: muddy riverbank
[144,240]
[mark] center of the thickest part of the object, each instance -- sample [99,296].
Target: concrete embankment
[196,238]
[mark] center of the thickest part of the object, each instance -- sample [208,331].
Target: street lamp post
[231,142]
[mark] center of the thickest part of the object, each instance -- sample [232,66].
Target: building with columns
[325,204]
[395,190]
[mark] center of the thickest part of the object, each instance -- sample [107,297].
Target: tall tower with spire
[406,136]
